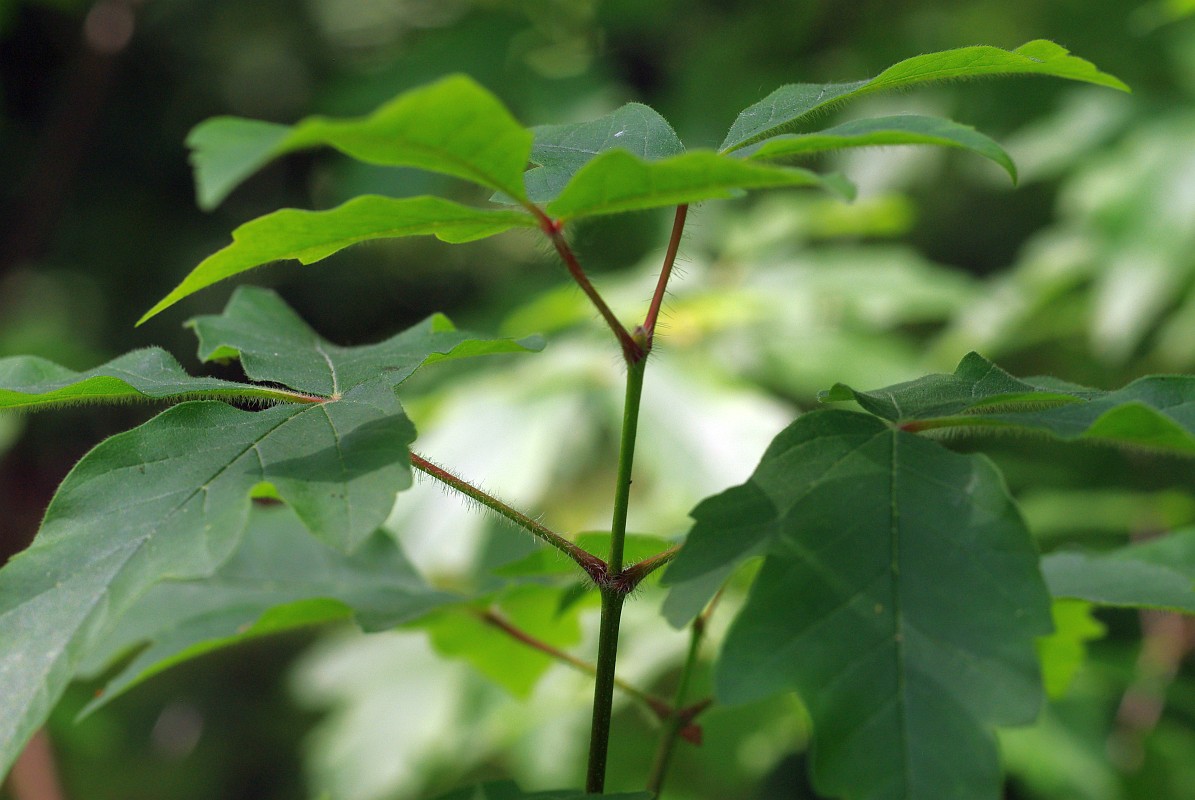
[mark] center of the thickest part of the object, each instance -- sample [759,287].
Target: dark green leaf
[169,500]
[1159,573]
[274,344]
[1156,413]
[872,132]
[310,236]
[561,150]
[790,105]
[617,181]
[900,596]
[279,578]
[150,374]
[453,126]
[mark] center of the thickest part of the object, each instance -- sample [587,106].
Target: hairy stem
[633,575]
[653,313]
[593,566]
[613,596]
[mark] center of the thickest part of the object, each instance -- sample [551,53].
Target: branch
[594,567]
[653,313]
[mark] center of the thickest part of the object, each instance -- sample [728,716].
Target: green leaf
[509,790]
[872,132]
[1063,652]
[790,105]
[1156,413]
[1159,573]
[279,578]
[311,236]
[170,500]
[617,181]
[452,126]
[274,344]
[900,596]
[462,633]
[561,150]
[149,374]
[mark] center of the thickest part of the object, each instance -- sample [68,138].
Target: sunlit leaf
[1064,651]
[617,181]
[452,126]
[280,578]
[149,374]
[899,596]
[561,150]
[311,236]
[274,344]
[905,129]
[790,105]
[1155,412]
[1159,573]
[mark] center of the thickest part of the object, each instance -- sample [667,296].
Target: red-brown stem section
[34,774]
[593,566]
[658,706]
[657,299]
[629,578]
[632,351]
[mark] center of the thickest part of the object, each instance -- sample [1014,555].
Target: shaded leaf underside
[1159,573]
[899,595]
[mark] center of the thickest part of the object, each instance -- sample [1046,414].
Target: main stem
[613,596]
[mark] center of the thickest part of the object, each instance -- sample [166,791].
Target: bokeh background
[1085,270]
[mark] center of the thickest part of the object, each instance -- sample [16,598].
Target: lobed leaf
[150,374]
[899,595]
[1159,573]
[279,578]
[617,181]
[170,500]
[311,236]
[274,344]
[1156,413]
[452,126]
[790,105]
[905,129]
[561,150]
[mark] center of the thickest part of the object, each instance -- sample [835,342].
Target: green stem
[613,596]
[657,299]
[593,566]
[672,728]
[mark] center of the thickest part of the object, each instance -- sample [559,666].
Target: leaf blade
[1158,574]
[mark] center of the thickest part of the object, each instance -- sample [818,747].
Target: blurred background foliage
[1086,271]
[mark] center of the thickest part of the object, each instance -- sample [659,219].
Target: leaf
[903,129]
[1063,652]
[169,500]
[790,105]
[461,632]
[274,344]
[311,236]
[1156,413]
[617,181]
[279,578]
[1158,573]
[149,374]
[561,150]
[452,126]
[899,595]
[509,790]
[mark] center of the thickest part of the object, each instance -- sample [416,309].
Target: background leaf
[903,129]
[1155,412]
[279,578]
[149,374]
[509,790]
[312,236]
[1158,573]
[617,181]
[561,150]
[452,126]
[789,105]
[274,344]
[899,596]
